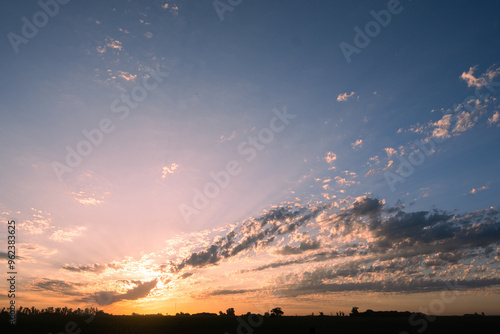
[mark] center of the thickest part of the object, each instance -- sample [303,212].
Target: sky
[168,156]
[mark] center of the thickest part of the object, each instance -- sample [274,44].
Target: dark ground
[106,324]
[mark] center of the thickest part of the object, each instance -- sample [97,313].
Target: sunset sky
[167,156]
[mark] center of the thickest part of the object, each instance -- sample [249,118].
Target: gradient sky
[369,180]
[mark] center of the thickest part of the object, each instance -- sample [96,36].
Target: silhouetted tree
[354,311]
[230,312]
[276,312]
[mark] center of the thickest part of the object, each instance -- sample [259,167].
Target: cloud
[357,144]
[91,188]
[374,160]
[494,119]
[389,165]
[173,8]
[85,198]
[225,292]
[68,234]
[344,96]
[114,44]
[110,44]
[57,286]
[365,245]
[475,190]
[390,151]
[464,122]
[255,233]
[39,223]
[330,157]
[169,170]
[317,257]
[364,206]
[186,275]
[126,76]
[224,138]
[344,182]
[304,246]
[416,285]
[95,268]
[400,245]
[371,172]
[465,115]
[31,252]
[478,82]
[441,127]
[140,291]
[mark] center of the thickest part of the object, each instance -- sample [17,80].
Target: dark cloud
[260,232]
[304,246]
[403,245]
[402,285]
[364,207]
[58,286]
[370,207]
[317,257]
[140,291]
[376,248]
[95,268]
[186,275]
[438,232]
[109,297]
[229,292]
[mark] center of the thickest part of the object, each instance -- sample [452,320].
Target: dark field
[107,324]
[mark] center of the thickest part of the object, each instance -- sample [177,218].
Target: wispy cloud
[475,190]
[39,223]
[67,235]
[494,118]
[88,199]
[166,170]
[357,144]
[57,286]
[344,96]
[127,76]
[483,80]
[228,138]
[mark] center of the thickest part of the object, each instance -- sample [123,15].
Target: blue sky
[199,89]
